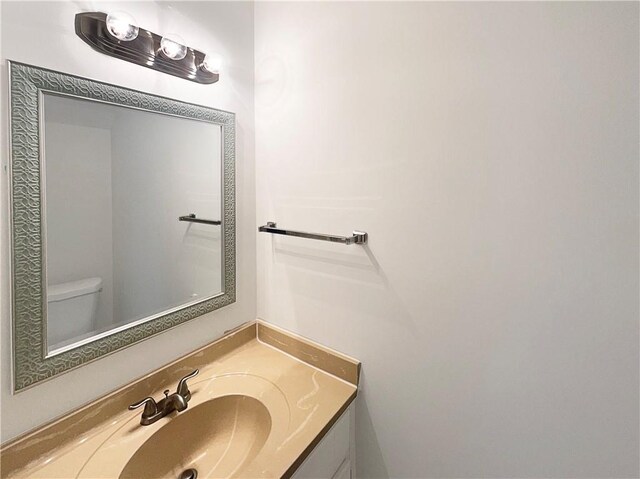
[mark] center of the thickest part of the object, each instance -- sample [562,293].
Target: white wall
[491,152]
[43,34]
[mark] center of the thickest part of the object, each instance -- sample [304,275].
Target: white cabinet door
[331,458]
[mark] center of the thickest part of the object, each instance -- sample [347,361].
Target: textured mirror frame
[31,364]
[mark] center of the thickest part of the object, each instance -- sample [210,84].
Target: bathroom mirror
[123,221]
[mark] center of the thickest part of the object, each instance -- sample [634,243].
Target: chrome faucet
[175,402]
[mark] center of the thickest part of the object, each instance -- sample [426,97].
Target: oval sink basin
[216,438]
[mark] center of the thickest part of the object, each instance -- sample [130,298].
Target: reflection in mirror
[116,180]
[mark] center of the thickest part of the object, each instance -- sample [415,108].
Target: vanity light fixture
[117,35]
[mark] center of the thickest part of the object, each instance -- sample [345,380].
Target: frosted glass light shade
[122,26]
[212,63]
[173,47]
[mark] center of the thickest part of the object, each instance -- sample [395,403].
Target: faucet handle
[183,388]
[150,406]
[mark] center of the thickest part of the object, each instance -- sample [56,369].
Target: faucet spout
[177,401]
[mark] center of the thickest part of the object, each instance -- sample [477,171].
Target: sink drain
[189,474]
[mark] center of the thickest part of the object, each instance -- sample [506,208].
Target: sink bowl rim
[124,443]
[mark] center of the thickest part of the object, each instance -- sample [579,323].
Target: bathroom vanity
[265,404]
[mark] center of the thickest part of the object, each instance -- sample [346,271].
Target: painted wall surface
[490,150]
[42,33]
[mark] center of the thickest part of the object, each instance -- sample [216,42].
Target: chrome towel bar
[192,218]
[359,237]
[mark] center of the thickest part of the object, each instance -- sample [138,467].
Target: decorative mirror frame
[27,83]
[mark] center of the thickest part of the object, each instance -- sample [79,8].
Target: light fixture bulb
[122,26]
[173,47]
[212,63]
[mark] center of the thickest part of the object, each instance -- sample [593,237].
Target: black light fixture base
[144,50]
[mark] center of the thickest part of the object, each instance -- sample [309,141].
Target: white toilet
[71,309]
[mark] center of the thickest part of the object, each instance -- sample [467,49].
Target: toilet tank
[71,309]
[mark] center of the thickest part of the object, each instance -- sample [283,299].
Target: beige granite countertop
[304,386]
